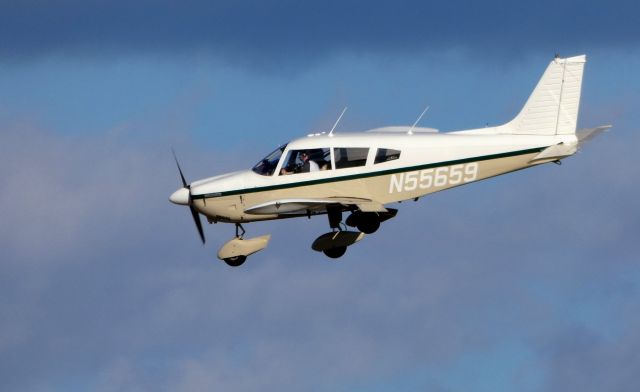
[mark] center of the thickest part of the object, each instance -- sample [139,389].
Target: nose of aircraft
[181,196]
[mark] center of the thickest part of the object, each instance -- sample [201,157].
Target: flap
[371,206]
[301,206]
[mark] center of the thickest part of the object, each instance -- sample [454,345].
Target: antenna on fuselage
[410,132]
[337,121]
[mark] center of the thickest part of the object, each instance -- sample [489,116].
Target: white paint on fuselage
[416,149]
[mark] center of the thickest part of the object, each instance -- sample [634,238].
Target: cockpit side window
[305,161]
[385,155]
[268,164]
[350,157]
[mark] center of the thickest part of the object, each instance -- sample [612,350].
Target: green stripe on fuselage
[369,174]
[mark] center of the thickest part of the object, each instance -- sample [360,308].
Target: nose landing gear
[235,261]
[235,251]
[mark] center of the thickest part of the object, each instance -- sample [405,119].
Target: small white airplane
[360,173]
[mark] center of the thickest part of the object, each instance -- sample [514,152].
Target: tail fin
[552,108]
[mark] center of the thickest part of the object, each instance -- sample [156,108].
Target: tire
[368,225]
[235,261]
[336,252]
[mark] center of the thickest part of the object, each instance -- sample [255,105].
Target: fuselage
[386,167]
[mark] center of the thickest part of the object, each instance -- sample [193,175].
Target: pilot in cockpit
[308,165]
[305,164]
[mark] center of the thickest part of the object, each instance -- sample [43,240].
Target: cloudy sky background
[525,282]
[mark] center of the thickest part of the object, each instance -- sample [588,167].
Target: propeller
[194,212]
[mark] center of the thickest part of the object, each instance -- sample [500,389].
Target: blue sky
[527,282]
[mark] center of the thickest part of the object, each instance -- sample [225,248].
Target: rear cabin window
[305,161]
[386,154]
[350,157]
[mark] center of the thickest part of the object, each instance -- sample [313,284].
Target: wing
[302,206]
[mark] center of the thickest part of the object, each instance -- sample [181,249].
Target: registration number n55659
[434,177]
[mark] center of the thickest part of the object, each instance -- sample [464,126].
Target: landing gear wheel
[368,226]
[336,252]
[236,261]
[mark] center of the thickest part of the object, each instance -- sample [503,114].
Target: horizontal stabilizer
[586,134]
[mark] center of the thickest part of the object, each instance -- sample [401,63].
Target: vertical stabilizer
[552,108]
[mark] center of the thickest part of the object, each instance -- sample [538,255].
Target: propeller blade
[196,219]
[194,213]
[184,182]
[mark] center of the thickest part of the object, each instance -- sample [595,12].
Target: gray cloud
[104,285]
[279,33]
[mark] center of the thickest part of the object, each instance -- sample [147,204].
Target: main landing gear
[336,252]
[334,244]
[235,251]
[369,222]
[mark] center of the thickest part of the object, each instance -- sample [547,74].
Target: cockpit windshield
[268,164]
